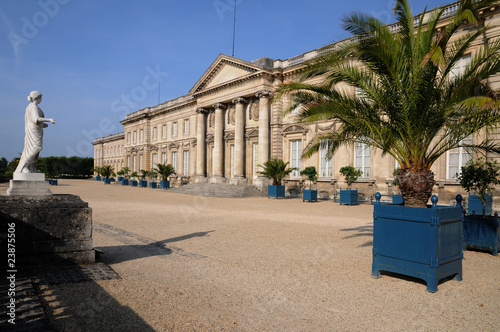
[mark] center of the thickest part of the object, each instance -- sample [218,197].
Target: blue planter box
[133,183]
[275,191]
[475,205]
[112,179]
[309,195]
[165,184]
[143,183]
[119,179]
[106,181]
[424,243]
[152,185]
[52,182]
[348,196]
[98,178]
[124,182]
[482,232]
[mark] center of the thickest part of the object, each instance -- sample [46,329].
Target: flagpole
[234,25]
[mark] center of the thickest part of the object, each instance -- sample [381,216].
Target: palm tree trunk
[416,186]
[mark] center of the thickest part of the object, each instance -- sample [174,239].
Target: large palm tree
[410,102]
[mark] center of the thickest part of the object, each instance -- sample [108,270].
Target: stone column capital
[219,106]
[239,100]
[263,94]
[201,110]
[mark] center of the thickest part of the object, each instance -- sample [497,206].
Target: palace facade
[225,127]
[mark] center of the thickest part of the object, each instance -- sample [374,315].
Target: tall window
[362,158]
[457,158]
[154,133]
[174,160]
[164,158]
[141,162]
[325,163]
[128,138]
[164,131]
[232,160]
[460,67]
[135,164]
[186,162]
[141,135]
[135,136]
[174,129]
[186,127]
[155,160]
[128,162]
[295,156]
[255,159]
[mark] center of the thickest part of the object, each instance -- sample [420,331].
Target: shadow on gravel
[366,230]
[48,293]
[137,246]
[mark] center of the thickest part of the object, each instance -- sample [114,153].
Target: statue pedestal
[29,184]
[55,229]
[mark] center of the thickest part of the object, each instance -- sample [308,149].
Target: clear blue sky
[95,61]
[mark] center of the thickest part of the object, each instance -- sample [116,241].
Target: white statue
[33,139]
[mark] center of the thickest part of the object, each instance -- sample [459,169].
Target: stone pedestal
[54,229]
[29,184]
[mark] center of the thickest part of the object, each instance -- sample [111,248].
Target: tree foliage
[410,102]
[276,170]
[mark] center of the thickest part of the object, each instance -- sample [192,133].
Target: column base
[200,179]
[261,182]
[217,179]
[238,180]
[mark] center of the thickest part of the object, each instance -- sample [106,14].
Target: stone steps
[218,190]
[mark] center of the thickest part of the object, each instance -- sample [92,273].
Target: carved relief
[231,116]
[211,120]
[229,136]
[254,132]
[254,112]
[210,138]
[294,129]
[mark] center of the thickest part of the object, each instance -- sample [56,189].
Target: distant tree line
[53,167]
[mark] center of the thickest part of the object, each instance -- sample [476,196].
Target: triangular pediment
[225,69]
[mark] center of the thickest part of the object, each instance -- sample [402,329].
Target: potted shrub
[133,180]
[351,174]
[97,170]
[107,171]
[165,171]
[126,172]
[120,175]
[312,175]
[143,183]
[276,170]
[480,230]
[153,174]
[412,105]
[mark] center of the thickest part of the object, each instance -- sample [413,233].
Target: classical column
[239,142]
[201,145]
[218,144]
[263,96]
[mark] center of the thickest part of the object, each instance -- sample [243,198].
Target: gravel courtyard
[190,263]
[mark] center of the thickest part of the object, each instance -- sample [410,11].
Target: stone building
[225,127]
